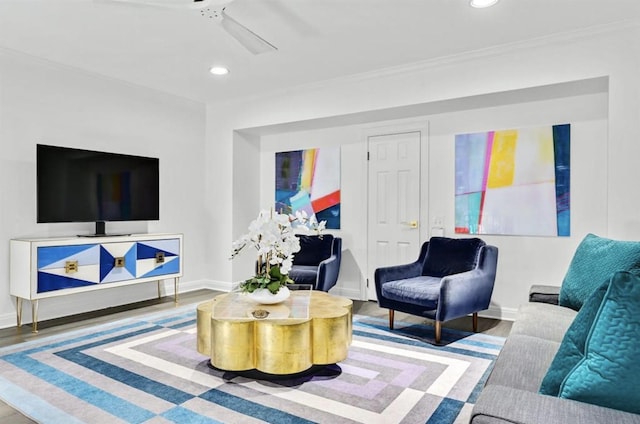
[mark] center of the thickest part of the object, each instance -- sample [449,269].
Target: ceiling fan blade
[249,39]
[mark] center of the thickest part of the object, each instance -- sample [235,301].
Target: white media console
[49,267]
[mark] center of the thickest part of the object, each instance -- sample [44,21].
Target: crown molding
[499,50]
[454,59]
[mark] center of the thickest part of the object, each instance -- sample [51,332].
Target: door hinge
[368,158]
[367,283]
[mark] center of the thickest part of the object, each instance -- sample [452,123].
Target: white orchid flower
[286,265]
[273,235]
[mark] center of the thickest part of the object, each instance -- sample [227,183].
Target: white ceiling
[172,49]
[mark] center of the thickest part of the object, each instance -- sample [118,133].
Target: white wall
[588,117]
[607,52]
[43,103]
[212,162]
[524,261]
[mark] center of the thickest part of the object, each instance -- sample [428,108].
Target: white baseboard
[197,285]
[56,307]
[8,320]
[223,286]
[507,314]
[85,302]
[349,293]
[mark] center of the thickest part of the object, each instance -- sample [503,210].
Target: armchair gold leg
[438,331]
[391,319]
[475,322]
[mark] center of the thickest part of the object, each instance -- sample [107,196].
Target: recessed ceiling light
[219,70]
[482,3]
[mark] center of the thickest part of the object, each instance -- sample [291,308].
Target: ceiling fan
[216,11]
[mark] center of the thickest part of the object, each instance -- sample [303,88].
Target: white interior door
[394,201]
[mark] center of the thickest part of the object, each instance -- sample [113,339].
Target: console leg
[159,294]
[19,310]
[175,289]
[34,316]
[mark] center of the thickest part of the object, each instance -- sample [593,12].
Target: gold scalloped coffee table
[293,337]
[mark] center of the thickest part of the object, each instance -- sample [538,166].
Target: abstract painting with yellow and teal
[514,182]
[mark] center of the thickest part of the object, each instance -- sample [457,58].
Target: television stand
[50,267]
[101,226]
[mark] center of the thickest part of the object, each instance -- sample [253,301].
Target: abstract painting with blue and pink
[309,180]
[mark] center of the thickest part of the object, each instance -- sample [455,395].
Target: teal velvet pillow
[609,373]
[595,260]
[571,349]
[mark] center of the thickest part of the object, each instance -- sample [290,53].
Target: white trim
[506,314]
[8,320]
[448,60]
[197,285]
[346,292]
[79,304]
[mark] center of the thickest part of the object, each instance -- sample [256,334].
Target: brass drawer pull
[159,257]
[71,267]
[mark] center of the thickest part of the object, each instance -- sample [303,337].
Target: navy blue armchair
[451,278]
[318,261]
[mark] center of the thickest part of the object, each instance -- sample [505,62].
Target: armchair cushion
[313,249]
[423,291]
[304,274]
[447,256]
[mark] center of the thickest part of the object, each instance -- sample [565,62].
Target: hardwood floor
[14,335]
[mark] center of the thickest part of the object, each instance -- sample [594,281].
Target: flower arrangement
[273,235]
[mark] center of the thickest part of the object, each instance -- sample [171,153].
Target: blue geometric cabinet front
[52,274]
[98,263]
[147,266]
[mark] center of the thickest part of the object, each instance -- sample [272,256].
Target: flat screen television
[76,185]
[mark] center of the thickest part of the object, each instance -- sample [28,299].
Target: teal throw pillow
[571,350]
[609,373]
[594,261]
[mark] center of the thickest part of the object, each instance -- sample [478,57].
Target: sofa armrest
[501,404]
[328,271]
[544,294]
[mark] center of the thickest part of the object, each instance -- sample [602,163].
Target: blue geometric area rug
[147,370]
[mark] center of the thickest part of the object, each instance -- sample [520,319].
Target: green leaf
[274,286]
[275,272]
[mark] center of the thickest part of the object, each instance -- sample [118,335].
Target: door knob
[411,224]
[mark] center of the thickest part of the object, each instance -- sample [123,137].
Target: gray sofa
[511,393]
